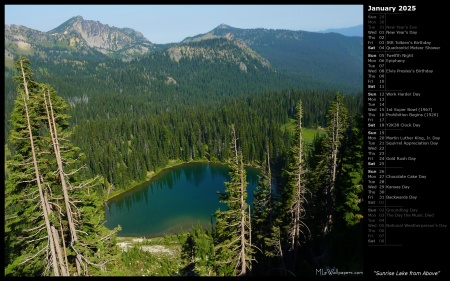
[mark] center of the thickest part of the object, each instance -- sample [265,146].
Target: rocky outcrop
[102,36]
[80,35]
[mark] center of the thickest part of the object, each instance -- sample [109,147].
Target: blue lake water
[177,198]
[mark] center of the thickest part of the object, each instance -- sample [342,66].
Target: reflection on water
[175,199]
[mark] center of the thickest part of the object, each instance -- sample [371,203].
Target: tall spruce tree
[198,252]
[54,224]
[262,213]
[326,169]
[349,196]
[30,236]
[337,119]
[294,193]
[233,249]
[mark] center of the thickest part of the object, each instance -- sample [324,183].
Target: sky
[162,24]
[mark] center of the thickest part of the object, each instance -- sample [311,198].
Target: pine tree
[337,124]
[262,213]
[349,196]
[294,193]
[326,169]
[198,251]
[233,249]
[52,198]
[30,228]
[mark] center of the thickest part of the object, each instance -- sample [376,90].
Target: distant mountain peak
[224,26]
[103,37]
[222,30]
[347,31]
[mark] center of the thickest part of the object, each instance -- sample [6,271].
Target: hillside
[327,57]
[88,62]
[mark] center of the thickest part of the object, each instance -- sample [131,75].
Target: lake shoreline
[199,175]
[152,174]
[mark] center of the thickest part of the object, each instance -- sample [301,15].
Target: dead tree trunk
[38,181]
[243,222]
[54,137]
[335,139]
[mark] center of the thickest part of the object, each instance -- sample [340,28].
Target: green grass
[164,260]
[307,133]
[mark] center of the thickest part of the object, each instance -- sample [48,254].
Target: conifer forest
[85,126]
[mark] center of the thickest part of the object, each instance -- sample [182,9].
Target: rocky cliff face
[104,38]
[76,35]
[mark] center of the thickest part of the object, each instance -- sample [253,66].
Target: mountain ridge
[301,52]
[87,48]
[77,34]
[226,62]
[356,30]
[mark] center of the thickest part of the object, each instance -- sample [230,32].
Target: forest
[66,154]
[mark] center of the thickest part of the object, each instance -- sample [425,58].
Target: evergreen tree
[326,169]
[30,229]
[294,193]
[337,125]
[262,213]
[348,235]
[349,196]
[198,251]
[53,221]
[233,249]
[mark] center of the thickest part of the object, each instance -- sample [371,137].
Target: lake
[176,198]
